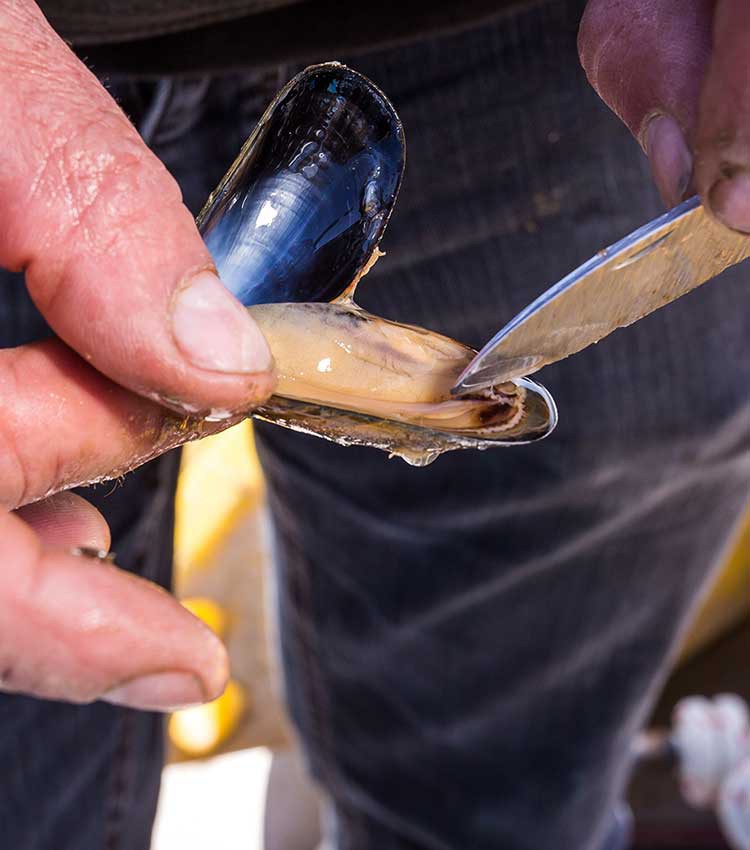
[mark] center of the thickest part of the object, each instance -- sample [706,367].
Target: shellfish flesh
[293,227]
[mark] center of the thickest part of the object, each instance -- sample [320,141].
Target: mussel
[293,227]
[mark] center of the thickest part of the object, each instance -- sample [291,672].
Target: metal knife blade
[654,265]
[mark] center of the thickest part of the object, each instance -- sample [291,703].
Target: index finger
[63,424]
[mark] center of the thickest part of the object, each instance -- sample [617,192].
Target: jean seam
[120,781]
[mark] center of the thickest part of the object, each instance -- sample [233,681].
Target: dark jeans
[470,647]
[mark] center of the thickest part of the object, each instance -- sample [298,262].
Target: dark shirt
[194,36]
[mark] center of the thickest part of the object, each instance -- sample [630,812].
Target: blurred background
[235,779]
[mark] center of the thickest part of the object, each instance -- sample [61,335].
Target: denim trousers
[469,648]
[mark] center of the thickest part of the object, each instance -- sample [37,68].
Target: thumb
[112,257]
[646,59]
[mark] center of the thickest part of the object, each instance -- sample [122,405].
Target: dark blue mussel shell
[305,204]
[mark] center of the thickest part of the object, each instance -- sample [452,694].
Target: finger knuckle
[113,187]
[104,180]
[108,191]
[598,24]
[13,471]
[25,473]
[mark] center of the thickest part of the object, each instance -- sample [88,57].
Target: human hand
[677,72]
[114,262]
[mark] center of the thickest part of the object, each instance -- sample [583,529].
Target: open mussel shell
[304,205]
[416,444]
[293,226]
[359,379]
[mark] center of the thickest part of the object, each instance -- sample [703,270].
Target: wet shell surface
[303,207]
[292,228]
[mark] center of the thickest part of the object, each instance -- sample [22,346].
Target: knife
[656,264]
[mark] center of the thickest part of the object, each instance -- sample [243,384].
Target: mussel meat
[293,227]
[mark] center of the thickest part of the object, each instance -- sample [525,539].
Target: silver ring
[93,553]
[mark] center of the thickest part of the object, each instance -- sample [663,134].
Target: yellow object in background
[212,614]
[728,602]
[221,565]
[220,481]
[198,731]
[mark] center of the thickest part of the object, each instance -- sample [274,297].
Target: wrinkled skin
[677,72]
[99,227]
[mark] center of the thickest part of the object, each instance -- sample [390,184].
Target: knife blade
[654,265]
